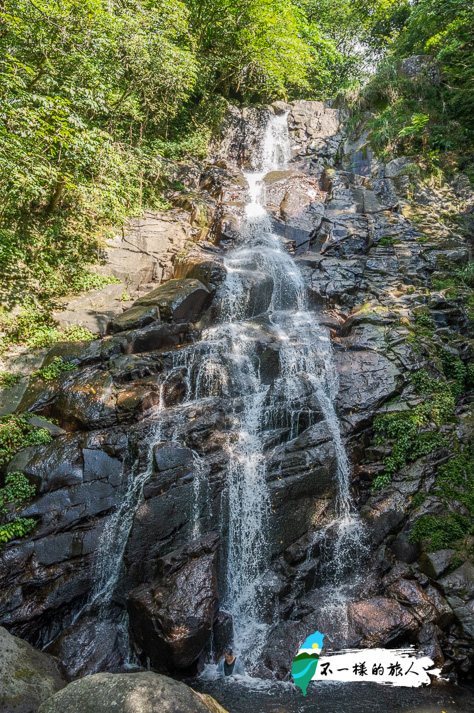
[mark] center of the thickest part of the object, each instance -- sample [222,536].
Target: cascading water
[264,279]
[263,291]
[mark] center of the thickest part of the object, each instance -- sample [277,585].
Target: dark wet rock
[27,677]
[164,519]
[428,639]
[445,614]
[89,646]
[171,619]
[409,593]
[380,622]
[178,300]
[85,400]
[154,338]
[45,579]
[52,428]
[222,633]
[459,590]
[405,550]
[135,318]
[51,467]
[126,693]
[460,582]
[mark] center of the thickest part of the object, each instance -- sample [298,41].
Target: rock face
[126,693]
[132,493]
[171,619]
[27,677]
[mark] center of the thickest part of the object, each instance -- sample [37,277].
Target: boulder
[27,676]
[94,310]
[145,692]
[460,582]
[435,564]
[135,318]
[89,646]
[84,399]
[171,619]
[409,593]
[210,272]
[178,300]
[146,250]
[379,621]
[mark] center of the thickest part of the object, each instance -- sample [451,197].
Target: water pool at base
[236,697]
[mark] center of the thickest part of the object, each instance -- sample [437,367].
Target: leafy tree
[249,48]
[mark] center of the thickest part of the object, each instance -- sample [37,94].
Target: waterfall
[229,366]
[263,296]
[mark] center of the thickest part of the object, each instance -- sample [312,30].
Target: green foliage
[84,86]
[433,110]
[442,532]
[19,527]
[407,431]
[455,479]
[454,485]
[54,369]
[466,274]
[470,375]
[16,433]
[17,490]
[249,48]
[7,381]
[418,499]
[454,369]
[34,326]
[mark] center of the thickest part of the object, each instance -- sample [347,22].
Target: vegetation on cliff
[94,95]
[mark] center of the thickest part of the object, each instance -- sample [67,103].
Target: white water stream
[229,365]
[262,279]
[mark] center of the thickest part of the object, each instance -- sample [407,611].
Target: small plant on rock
[16,491]
[54,369]
[8,381]
[16,433]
